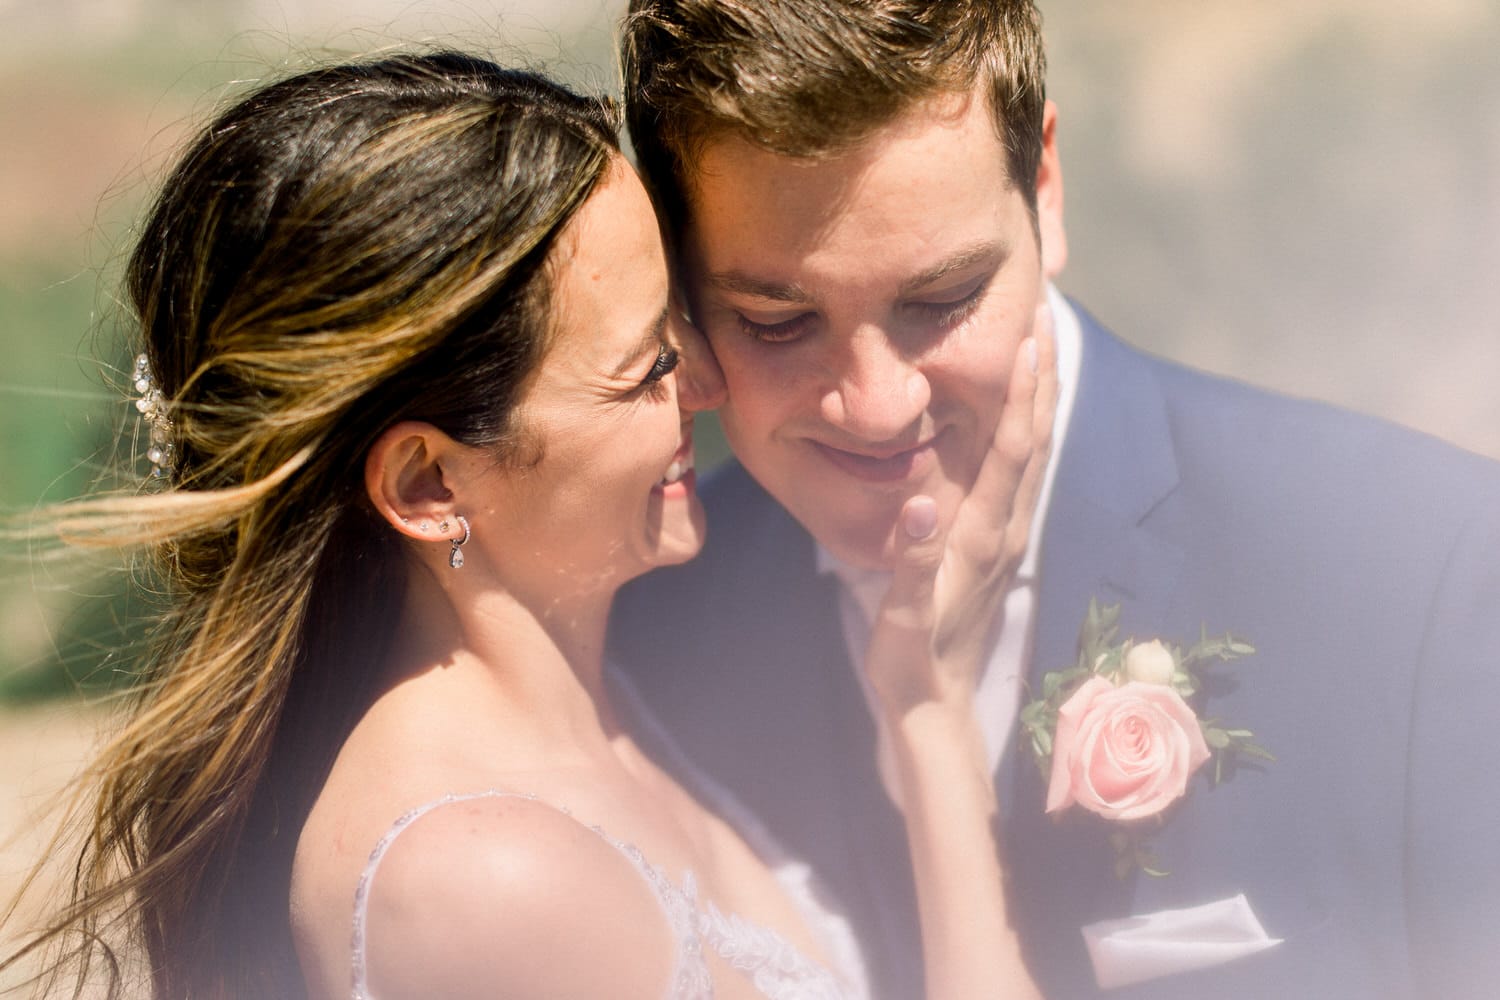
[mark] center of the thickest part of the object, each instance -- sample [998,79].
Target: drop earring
[456,553]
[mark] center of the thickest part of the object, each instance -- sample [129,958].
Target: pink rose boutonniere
[1116,734]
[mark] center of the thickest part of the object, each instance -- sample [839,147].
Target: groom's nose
[700,381]
[876,392]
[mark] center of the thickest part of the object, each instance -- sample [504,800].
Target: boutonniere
[1117,734]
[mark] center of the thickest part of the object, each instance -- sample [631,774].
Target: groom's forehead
[705,177]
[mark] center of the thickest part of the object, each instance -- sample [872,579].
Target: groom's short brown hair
[806,78]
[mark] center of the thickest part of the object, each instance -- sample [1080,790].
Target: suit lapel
[1116,467]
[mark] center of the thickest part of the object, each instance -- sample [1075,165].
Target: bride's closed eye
[667,359]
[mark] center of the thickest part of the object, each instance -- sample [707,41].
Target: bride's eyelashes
[667,359]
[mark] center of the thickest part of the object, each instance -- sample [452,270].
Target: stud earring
[456,554]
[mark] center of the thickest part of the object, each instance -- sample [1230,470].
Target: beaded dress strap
[690,978]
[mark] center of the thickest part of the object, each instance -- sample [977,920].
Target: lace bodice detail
[777,968]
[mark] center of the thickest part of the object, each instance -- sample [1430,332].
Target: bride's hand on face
[926,653]
[931,634]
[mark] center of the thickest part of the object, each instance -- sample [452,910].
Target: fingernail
[919,517]
[1029,350]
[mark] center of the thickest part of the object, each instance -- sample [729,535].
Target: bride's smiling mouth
[680,471]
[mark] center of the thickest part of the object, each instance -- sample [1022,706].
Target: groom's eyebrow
[760,288]
[992,252]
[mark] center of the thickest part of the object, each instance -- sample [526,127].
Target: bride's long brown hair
[338,251]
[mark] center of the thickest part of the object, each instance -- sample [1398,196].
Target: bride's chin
[673,547]
[674,533]
[686,554]
[679,550]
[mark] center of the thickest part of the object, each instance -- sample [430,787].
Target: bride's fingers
[984,538]
[1043,414]
[916,623]
[899,659]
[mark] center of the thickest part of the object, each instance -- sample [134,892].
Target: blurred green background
[1304,195]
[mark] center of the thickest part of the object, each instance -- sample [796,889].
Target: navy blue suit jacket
[1362,560]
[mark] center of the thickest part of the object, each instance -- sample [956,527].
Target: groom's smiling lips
[874,464]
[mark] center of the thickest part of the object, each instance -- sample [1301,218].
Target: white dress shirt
[998,699]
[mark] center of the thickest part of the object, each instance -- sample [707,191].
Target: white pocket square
[1136,949]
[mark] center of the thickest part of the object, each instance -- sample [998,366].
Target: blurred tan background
[1301,193]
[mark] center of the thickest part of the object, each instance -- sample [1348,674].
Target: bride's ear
[405,478]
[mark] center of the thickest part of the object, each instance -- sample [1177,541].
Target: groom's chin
[867,547]
[865,535]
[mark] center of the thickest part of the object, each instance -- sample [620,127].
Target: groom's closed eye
[778,332]
[946,313]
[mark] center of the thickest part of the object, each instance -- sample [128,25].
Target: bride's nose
[700,381]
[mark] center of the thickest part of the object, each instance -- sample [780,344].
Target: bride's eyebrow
[650,343]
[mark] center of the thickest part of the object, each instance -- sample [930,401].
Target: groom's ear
[1049,198]
[405,478]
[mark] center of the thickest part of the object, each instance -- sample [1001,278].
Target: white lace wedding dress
[776,968]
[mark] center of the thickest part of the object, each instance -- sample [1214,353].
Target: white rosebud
[1150,663]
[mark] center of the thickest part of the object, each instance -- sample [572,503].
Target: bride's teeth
[677,470]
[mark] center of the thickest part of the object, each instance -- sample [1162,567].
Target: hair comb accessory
[153,409]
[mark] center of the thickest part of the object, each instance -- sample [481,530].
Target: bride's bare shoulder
[503,895]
